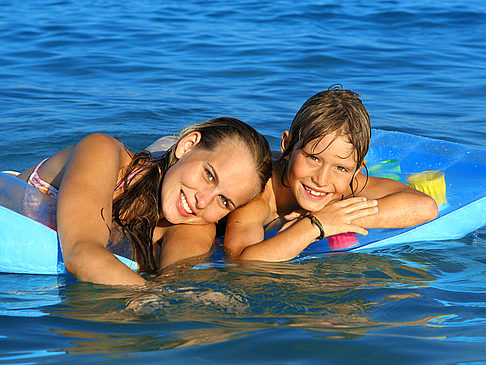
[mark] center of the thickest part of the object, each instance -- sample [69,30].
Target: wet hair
[335,110]
[137,209]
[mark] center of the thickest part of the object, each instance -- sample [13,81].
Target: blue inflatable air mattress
[29,243]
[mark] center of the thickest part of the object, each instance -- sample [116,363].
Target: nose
[321,177]
[204,198]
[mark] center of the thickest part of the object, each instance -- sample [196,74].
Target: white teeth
[185,205]
[313,192]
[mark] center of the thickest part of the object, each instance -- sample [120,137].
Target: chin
[313,206]
[169,217]
[171,220]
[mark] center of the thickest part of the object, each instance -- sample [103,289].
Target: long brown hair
[137,209]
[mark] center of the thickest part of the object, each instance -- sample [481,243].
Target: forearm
[335,218]
[176,270]
[284,246]
[94,263]
[400,210]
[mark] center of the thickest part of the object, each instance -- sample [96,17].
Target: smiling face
[321,171]
[204,186]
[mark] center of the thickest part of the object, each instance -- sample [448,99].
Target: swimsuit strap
[40,184]
[132,175]
[38,166]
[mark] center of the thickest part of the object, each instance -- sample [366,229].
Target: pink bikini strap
[39,165]
[132,175]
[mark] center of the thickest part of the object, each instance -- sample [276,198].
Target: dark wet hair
[137,209]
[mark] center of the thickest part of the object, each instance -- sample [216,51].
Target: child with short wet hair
[317,188]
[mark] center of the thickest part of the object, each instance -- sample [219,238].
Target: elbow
[73,267]
[238,256]
[232,255]
[429,209]
[75,264]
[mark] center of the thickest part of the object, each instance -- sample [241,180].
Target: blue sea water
[141,69]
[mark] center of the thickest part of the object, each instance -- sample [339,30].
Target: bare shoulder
[93,147]
[100,150]
[99,142]
[257,210]
[92,170]
[245,225]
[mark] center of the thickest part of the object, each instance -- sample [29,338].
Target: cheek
[167,183]
[214,214]
[185,174]
[297,169]
[343,183]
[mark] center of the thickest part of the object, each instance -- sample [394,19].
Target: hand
[289,220]
[338,217]
[295,214]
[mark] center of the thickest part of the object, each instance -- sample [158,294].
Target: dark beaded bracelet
[318,223]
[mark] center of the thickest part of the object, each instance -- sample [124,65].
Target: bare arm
[239,244]
[185,243]
[84,210]
[383,203]
[398,204]
[244,236]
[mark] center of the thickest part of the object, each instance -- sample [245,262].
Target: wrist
[316,223]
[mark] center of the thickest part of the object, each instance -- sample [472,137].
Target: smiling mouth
[185,204]
[314,193]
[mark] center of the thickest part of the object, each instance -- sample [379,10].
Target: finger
[294,215]
[362,231]
[357,229]
[350,201]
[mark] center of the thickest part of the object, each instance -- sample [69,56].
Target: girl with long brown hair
[166,206]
